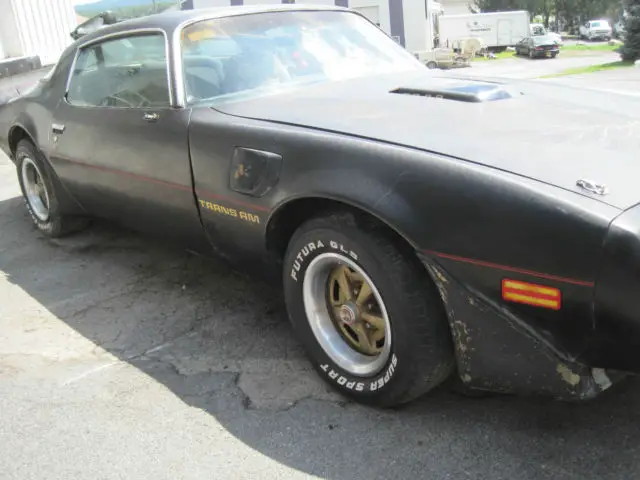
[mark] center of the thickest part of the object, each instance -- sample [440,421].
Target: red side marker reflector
[531,294]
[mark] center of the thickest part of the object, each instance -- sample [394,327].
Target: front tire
[371,321]
[40,194]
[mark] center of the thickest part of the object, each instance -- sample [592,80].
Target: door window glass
[126,72]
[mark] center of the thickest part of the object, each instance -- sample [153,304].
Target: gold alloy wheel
[346,314]
[354,311]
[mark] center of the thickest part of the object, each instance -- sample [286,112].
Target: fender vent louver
[466,93]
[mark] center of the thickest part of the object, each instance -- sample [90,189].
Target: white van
[595,29]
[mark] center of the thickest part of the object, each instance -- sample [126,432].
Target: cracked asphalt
[121,357]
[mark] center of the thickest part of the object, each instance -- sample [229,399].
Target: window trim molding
[115,36]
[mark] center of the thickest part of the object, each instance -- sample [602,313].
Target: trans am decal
[230,212]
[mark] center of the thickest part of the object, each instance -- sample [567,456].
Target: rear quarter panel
[33,110]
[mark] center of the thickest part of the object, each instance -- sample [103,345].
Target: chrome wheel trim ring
[321,323]
[35,189]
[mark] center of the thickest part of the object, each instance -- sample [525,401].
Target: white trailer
[497,30]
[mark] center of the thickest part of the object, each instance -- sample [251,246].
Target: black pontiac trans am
[425,226]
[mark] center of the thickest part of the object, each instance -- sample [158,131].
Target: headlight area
[616,341]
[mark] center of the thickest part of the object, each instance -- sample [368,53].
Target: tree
[568,13]
[631,49]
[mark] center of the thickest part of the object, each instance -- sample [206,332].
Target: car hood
[550,133]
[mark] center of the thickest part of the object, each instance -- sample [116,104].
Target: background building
[33,32]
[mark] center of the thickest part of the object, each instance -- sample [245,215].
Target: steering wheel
[121,98]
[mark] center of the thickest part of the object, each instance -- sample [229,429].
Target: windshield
[543,40]
[596,24]
[247,56]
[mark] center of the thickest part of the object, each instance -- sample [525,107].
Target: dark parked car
[424,226]
[538,46]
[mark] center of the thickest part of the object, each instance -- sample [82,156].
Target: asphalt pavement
[623,81]
[121,357]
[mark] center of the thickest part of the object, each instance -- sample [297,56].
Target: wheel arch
[68,204]
[290,214]
[17,133]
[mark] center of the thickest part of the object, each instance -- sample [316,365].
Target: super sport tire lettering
[374,385]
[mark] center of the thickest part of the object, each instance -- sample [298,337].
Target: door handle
[57,128]
[151,117]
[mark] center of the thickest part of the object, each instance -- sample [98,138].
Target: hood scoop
[473,93]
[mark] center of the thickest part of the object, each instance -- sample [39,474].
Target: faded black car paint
[475,210]
[616,298]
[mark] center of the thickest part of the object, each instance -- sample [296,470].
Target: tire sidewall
[355,246]
[52,224]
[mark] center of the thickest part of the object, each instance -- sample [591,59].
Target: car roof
[171,20]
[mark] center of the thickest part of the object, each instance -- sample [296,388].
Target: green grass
[499,56]
[600,47]
[566,50]
[591,69]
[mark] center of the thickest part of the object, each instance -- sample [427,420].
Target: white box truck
[498,30]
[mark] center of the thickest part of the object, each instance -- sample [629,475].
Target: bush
[631,48]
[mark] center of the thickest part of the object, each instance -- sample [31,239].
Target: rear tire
[413,347]
[40,194]
[431,65]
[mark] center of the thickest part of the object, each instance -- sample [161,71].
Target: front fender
[364,192]
[481,225]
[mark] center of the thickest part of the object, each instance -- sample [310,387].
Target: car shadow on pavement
[220,341]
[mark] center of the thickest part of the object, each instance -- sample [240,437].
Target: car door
[118,144]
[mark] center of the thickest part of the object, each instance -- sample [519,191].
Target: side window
[128,72]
